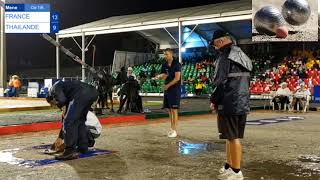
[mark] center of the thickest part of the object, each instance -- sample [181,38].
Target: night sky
[31,51]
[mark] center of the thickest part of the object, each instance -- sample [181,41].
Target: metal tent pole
[3,59]
[83,50]
[57,59]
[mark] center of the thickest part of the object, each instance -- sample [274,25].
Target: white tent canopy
[222,12]
[171,28]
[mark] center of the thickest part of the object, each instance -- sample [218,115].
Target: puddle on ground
[309,158]
[282,171]
[191,148]
[310,163]
[7,156]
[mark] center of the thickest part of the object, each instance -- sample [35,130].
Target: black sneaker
[67,156]
[83,151]
[91,142]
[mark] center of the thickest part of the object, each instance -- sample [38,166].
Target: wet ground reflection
[192,148]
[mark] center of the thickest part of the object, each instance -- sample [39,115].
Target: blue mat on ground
[274,120]
[44,146]
[42,162]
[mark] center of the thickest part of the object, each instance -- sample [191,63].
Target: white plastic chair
[286,106]
[307,104]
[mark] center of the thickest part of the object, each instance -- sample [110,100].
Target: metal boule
[267,20]
[296,12]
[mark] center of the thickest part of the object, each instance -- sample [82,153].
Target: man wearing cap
[282,96]
[230,99]
[301,96]
[78,98]
[171,73]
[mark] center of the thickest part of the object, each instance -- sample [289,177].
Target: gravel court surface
[144,152]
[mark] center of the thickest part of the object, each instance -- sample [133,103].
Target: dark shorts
[231,127]
[171,100]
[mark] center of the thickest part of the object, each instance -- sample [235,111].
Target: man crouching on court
[231,99]
[78,98]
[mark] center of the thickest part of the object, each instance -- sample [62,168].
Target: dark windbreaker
[232,80]
[64,92]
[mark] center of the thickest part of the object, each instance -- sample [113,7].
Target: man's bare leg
[228,153]
[236,153]
[175,119]
[171,118]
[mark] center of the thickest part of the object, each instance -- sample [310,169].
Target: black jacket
[64,92]
[130,88]
[121,78]
[232,80]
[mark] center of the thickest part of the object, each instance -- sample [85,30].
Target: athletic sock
[235,170]
[226,166]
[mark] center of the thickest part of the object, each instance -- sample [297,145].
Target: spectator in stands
[304,60]
[153,72]
[199,87]
[122,76]
[9,92]
[203,78]
[300,96]
[11,81]
[282,96]
[190,80]
[130,73]
[315,65]
[198,66]
[142,77]
[301,72]
[15,85]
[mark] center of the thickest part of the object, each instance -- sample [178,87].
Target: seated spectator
[300,96]
[142,77]
[203,78]
[153,72]
[8,92]
[11,81]
[199,87]
[198,66]
[190,80]
[315,65]
[301,73]
[14,87]
[282,96]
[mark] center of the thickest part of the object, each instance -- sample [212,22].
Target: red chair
[317,78]
[314,82]
[260,90]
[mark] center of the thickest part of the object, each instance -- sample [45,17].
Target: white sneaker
[229,174]
[235,176]
[172,134]
[222,170]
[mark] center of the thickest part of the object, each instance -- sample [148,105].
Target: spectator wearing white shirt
[282,96]
[130,73]
[300,96]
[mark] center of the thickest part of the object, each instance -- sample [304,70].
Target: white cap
[283,83]
[129,68]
